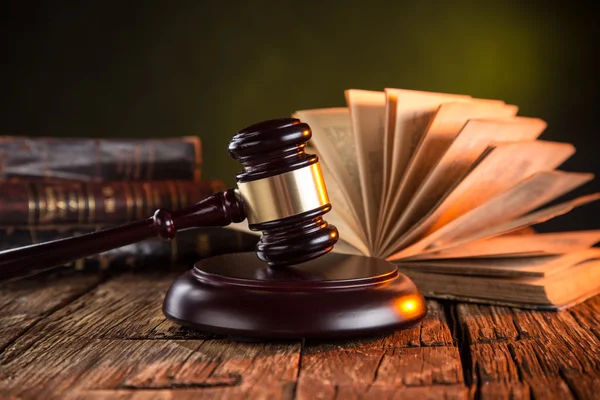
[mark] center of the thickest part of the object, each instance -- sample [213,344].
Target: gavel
[280,192]
[292,285]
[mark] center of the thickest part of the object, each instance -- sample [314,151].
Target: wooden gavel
[280,191]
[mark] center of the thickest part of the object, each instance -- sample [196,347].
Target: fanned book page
[449,187]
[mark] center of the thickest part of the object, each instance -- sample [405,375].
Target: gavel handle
[220,209]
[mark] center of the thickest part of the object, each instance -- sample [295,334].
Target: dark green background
[207,68]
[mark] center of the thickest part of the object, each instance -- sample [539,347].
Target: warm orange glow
[333,235]
[306,133]
[410,306]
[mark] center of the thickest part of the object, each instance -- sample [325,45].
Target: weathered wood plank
[265,393]
[72,367]
[513,370]
[115,339]
[112,338]
[422,356]
[486,324]
[426,366]
[583,386]
[572,346]
[125,307]
[324,374]
[454,392]
[25,302]
[588,315]
[434,329]
[114,342]
[493,362]
[522,353]
[549,388]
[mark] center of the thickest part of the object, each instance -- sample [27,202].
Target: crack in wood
[521,334]
[294,393]
[236,381]
[377,367]
[479,382]
[171,374]
[421,341]
[572,388]
[583,325]
[461,341]
[379,362]
[513,356]
[541,362]
[172,338]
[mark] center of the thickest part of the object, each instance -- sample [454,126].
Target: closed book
[185,249]
[115,202]
[92,159]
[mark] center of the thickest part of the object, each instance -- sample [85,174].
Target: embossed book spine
[100,159]
[86,203]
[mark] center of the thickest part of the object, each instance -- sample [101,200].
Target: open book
[447,187]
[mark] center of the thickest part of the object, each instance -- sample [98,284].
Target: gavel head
[283,191]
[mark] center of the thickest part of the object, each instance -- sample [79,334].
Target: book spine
[100,159]
[75,203]
[187,247]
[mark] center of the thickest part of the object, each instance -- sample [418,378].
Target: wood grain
[421,356]
[78,337]
[522,354]
[24,303]
[76,367]
[588,315]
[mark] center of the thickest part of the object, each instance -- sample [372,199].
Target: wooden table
[85,336]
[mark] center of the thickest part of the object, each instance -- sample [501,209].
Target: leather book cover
[100,159]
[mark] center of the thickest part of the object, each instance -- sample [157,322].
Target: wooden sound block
[333,296]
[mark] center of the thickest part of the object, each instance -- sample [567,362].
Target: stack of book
[53,188]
